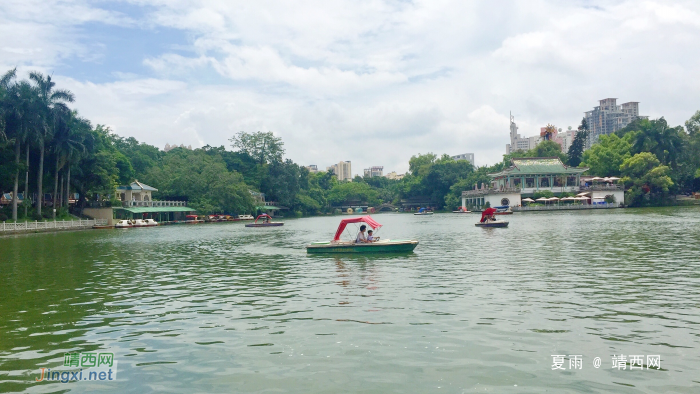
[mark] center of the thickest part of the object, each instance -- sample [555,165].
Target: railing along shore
[157,203]
[566,207]
[52,225]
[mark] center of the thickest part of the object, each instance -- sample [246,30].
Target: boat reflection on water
[360,278]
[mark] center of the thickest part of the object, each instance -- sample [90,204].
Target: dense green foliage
[45,145]
[606,157]
[655,160]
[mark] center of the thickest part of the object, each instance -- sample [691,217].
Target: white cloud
[373,82]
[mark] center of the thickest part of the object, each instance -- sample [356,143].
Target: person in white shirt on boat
[361,237]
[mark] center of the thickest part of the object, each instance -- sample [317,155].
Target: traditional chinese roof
[136,185]
[538,165]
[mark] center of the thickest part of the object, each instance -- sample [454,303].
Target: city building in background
[465,156]
[563,138]
[374,171]
[312,168]
[549,132]
[342,170]
[566,138]
[394,175]
[517,142]
[169,147]
[609,117]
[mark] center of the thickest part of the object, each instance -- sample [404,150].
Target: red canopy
[264,215]
[366,219]
[487,212]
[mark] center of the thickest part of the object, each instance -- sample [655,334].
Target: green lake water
[224,308]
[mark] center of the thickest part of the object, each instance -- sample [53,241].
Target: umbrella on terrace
[542,199]
[528,199]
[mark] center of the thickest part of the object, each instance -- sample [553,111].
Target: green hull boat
[383,246]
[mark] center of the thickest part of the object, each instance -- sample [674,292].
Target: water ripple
[223,308]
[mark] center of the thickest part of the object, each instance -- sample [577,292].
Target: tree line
[44,144]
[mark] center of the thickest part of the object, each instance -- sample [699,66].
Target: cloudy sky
[373,82]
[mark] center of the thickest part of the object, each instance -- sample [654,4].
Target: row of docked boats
[136,223]
[227,218]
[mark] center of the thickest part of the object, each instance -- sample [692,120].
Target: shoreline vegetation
[47,148]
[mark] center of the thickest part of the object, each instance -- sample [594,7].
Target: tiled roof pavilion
[536,166]
[532,174]
[136,185]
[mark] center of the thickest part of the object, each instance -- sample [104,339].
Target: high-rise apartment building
[517,142]
[394,175]
[609,117]
[465,156]
[374,171]
[342,170]
[566,138]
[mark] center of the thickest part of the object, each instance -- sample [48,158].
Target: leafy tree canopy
[645,176]
[606,157]
[203,179]
[351,192]
[264,147]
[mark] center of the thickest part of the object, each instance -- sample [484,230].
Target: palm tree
[18,109]
[52,107]
[656,137]
[10,121]
[81,132]
[64,145]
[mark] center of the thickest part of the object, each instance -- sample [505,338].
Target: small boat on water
[462,210]
[135,223]
[123,224]
[423,211]
[488,220]
[192,219]
[246,217]
[265,222]
[381,246]
[493,223]
[503,210]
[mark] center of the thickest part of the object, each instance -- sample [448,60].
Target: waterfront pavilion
[136,191]
[533,174]
[523,178]
[137,203]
